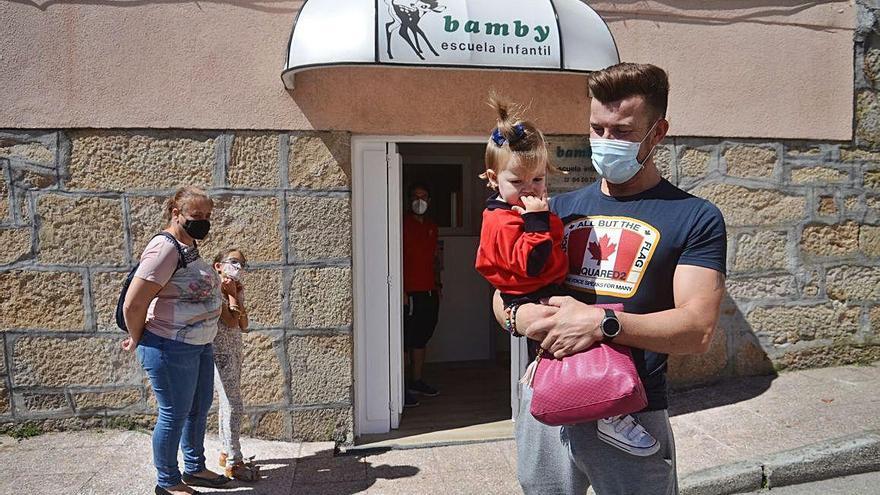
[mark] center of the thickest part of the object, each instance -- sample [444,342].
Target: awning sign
[512,33]
[535,35]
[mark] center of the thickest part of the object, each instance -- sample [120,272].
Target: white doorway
[464,333]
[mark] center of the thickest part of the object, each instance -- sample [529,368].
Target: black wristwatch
[610,326]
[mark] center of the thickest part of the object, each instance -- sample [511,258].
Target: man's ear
[662,129]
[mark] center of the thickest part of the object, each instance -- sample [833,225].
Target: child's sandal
[246,470]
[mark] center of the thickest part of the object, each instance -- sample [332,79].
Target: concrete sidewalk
[735,430]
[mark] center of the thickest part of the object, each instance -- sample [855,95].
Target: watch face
[610,327]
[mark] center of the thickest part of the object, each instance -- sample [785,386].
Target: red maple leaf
[603,249]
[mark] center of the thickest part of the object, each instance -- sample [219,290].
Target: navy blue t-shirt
[625,250]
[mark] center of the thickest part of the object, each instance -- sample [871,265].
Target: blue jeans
[182,376]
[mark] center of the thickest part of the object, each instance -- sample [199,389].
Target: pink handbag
[598,383]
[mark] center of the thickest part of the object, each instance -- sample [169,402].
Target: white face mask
[617,161]
[419,206]
[232,269]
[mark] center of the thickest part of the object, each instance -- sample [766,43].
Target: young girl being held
[520,249]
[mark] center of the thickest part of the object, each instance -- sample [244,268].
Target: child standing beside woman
[230,265]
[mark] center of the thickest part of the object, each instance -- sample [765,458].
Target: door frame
[379,388]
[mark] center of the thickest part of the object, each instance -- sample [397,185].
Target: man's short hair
[627,79]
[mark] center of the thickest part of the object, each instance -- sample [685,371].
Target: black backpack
[181,263]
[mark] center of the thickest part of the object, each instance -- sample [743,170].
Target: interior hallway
[474,404]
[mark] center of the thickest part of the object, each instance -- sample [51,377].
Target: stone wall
[804,227]
[76,209]
[803,224]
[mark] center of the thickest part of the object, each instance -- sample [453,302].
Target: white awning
[535,35]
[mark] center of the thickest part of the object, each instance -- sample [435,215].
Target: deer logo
[406,15]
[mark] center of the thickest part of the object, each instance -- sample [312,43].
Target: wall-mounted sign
[540,35]
[522,33]
[571,154]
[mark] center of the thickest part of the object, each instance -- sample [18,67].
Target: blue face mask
[617,161]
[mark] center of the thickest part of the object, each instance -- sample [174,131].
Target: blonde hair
[522,144]
[226,252]
[183,197]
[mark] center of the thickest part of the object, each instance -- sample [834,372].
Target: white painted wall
[738,68]
[463,332]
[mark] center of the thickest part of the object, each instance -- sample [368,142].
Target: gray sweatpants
[227,382]
[567,460]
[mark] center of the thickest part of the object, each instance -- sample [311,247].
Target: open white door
[395,283]
[378,279]
[377,208]
[378,304]
[370,207]
[519,361]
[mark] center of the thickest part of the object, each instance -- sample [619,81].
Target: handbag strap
[529,376]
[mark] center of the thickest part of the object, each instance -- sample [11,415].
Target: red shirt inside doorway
[419,246]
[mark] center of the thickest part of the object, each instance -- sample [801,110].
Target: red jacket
[519,254]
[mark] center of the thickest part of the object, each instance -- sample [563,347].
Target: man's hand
[532,204]
[530,313]
[572,329]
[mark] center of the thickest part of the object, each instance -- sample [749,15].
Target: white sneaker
[625,433]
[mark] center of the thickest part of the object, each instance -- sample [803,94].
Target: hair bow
[499,140]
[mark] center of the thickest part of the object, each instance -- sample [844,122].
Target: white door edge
[395,282]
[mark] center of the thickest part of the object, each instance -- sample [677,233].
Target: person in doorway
[230,265]
[520,251]
[421,285]
[630,238]
[171,314]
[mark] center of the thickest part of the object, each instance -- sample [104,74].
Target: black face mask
[197,229]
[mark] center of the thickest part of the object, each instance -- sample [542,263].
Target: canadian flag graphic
[608,255]
[609,250]
[603,249]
